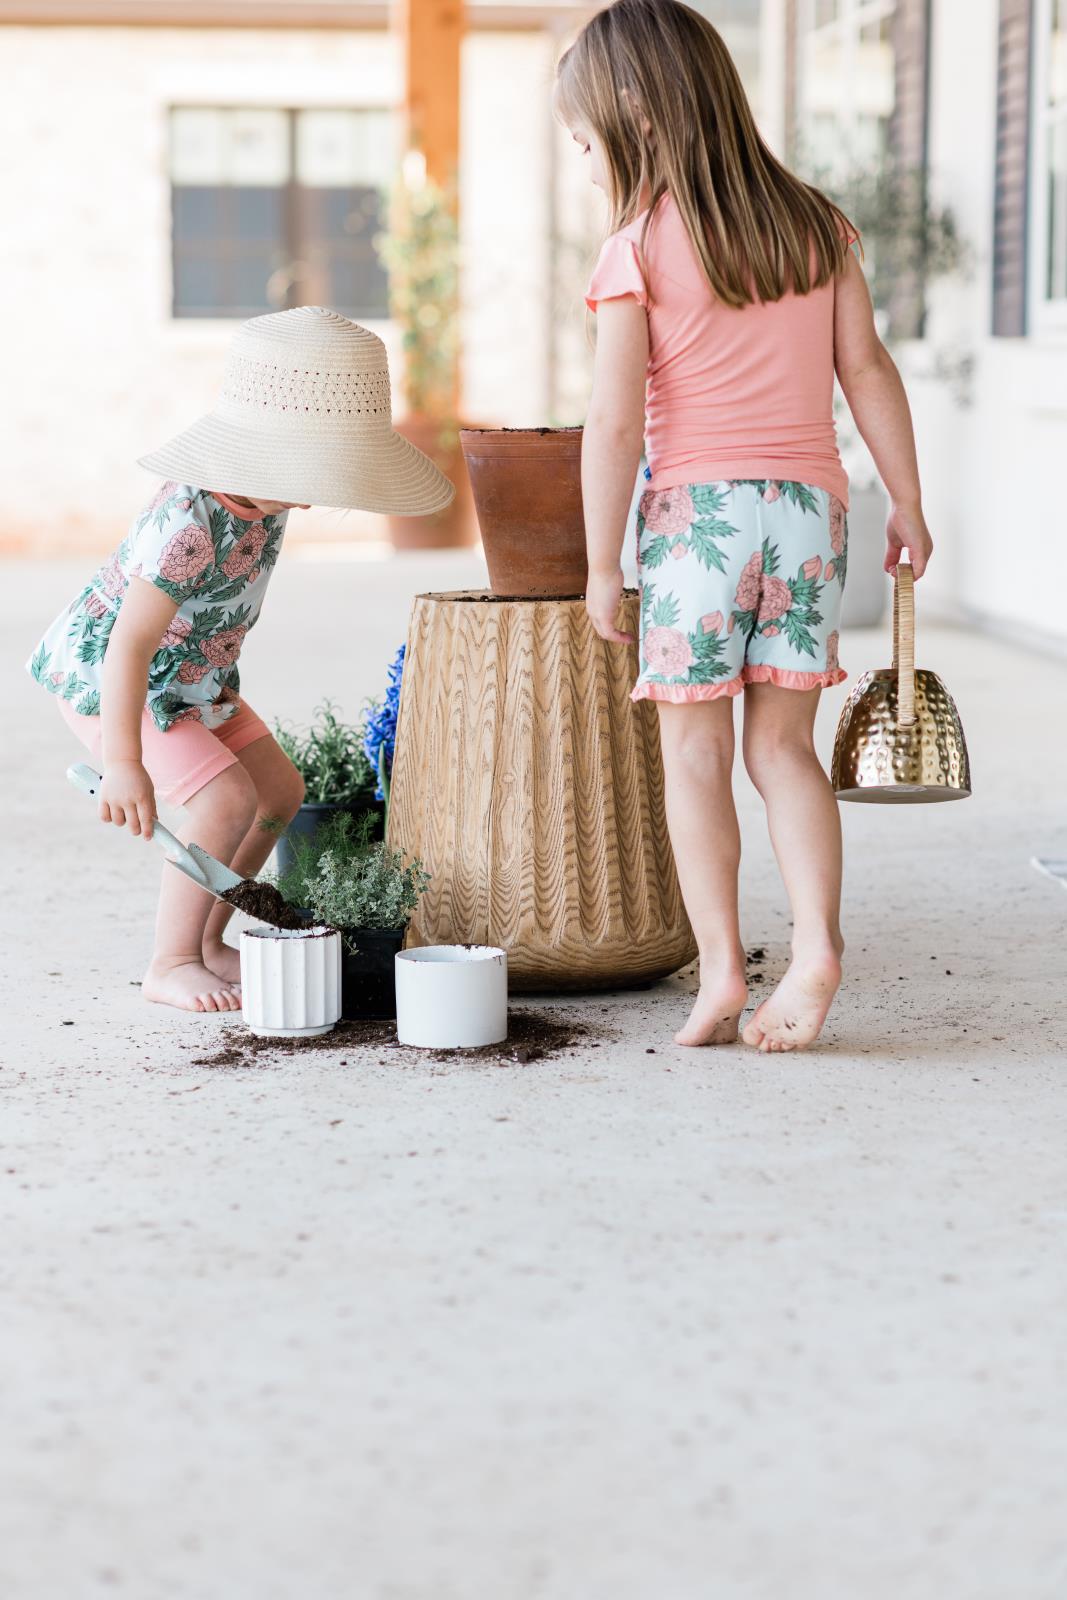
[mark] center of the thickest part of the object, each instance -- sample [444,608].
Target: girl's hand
[127,797]
[603,597]
[907,530]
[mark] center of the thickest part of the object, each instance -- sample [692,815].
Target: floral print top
[214,561]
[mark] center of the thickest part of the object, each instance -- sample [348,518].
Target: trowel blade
[219,878]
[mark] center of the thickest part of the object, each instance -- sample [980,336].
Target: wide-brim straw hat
[305,416]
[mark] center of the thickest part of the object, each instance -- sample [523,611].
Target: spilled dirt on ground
[532,1036]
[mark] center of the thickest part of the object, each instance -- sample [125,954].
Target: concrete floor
[620,1326]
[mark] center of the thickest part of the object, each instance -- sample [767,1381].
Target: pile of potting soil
[262,900]
[532,1036]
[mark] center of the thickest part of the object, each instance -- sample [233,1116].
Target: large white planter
[452,996]
[290,981]
[867,586]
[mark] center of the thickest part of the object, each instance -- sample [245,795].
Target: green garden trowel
[190,859]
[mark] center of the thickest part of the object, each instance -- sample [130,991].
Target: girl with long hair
[728,294]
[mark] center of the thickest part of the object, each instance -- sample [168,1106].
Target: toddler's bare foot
[223,960]
[794,1014]
[189,986]
[716,1011]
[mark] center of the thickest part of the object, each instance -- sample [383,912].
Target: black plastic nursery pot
[313,814]
[368,985]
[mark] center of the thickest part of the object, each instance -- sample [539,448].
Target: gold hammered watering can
[899,740]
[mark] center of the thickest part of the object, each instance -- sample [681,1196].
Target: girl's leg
[805,830]
[698,754]
[218,817]
[279,794]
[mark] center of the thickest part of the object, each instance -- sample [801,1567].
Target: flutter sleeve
[175,546]
[616,274]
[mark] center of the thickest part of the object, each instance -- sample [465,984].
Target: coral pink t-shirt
[731,393]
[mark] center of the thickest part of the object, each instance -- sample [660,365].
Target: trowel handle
[83,777]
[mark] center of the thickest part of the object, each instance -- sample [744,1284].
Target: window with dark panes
[272,208]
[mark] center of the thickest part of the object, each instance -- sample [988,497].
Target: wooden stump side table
[532,788]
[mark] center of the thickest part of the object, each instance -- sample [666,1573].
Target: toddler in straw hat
[143,662]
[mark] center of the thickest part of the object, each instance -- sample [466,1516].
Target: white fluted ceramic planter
[452,996]
[290,981]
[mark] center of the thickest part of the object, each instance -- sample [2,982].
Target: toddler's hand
[907,530]
[127,797]
[603,596]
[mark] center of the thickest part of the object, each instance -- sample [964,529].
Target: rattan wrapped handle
[904,644]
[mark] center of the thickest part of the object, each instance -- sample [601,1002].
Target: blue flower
[379,736]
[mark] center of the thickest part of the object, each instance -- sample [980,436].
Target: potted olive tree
[338,778]
[420,252]
[909,242]
[343,878]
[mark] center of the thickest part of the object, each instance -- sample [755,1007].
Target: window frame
[289,192]
[1047,316]
[846,26]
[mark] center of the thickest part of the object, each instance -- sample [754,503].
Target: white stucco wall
[97,369]
[989,470]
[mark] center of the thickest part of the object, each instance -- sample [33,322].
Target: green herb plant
[909,240]
[349,882]
[330,758]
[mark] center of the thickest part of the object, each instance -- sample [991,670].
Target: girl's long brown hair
[655,82]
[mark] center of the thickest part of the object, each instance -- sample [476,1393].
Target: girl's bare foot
[716,1012]
[794,1014]
[223,960]
[189,986]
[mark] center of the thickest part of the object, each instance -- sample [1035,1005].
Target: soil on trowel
[532,1036]
[263,900]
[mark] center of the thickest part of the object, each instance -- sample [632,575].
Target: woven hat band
[264,387]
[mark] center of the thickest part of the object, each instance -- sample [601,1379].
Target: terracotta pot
[527,485]
[454,526]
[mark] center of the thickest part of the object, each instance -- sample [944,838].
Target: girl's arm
[876,397]
[127,794]
[611,453]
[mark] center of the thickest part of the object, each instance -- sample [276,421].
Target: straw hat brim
[386,474]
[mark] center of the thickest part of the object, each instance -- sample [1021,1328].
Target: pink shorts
[185,758]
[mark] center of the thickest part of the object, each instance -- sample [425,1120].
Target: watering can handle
[904,644]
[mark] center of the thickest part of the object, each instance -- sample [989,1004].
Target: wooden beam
[263,14]
[193,14]
[431,34]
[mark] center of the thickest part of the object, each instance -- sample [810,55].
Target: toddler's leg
[698,754]
[805,830]
[218,817]
[279,794]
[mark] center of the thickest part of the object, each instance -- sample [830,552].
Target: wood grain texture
[532,788]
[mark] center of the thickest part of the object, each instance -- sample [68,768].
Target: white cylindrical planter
[452,996]
[290,981]
[867,588]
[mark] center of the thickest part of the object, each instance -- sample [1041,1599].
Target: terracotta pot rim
[538,433]
[457,596]
[519,444]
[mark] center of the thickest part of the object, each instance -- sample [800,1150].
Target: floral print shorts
[741,582]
